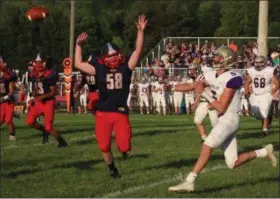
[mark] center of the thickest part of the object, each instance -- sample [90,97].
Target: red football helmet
[39,64]
[111,56]
[2,64]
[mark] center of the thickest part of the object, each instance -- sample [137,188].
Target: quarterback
[226,100]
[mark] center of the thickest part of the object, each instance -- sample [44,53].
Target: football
[36,13]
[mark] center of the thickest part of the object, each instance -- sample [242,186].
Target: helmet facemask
[260,63]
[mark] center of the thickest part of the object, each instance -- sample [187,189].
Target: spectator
[169,47]
[165,59]
[233,46]
[255,48]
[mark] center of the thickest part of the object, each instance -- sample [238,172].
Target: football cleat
[270,154]
[12,137]
[45,138]
[62,143]
[126,155]
[182,187]
[115,173]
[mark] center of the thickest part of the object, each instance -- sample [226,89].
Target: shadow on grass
[257,134]
[181,163]
[232,186]
[81,165]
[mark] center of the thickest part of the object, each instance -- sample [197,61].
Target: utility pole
[263,27]
[72,29]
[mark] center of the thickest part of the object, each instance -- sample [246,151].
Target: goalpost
[263,27]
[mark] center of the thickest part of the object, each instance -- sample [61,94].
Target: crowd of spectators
[181,57]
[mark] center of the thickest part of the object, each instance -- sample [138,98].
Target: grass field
[163,149]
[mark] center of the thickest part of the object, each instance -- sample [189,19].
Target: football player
[160,96]
[143,89]
[113,76]
[43,102]
[226,101]
[178,96]
[244,103]
[7,101]
[264,84]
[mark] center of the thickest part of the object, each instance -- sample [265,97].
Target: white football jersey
[227,79]
[261,80]
[143,88]
[161,92]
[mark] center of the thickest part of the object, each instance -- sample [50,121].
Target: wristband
[208,97]
[6,97]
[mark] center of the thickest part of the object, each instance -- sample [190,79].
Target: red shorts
[6,112]
[106,122]
[93,98]
[47,109]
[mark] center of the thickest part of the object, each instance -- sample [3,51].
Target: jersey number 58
[114,81]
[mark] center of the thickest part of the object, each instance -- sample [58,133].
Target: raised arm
[79,64]
[141,25]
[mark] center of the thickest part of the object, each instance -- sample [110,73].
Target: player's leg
[9,119]
[221,132]
[200,113]
[187,105]
[128,101]
[266,112]
[2,114]
[34,112]
[146,101]
[163,103]
[49,112]
[122,131]
[103,132]
[141,104]
[176,104]
[246,106]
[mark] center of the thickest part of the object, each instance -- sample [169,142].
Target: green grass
[163,148]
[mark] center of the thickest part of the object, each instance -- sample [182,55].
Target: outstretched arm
[141,25]
[184,87]
[82,66]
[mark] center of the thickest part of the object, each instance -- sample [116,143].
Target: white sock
[264,129]
[203,137]
[261,153]
[191,177]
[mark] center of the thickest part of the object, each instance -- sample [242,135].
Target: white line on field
[149,185]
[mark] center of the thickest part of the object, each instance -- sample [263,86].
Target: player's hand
[194,106]
[141,23]
[82,38]
[199,87]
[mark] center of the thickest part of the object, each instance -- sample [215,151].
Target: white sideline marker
[149,185]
